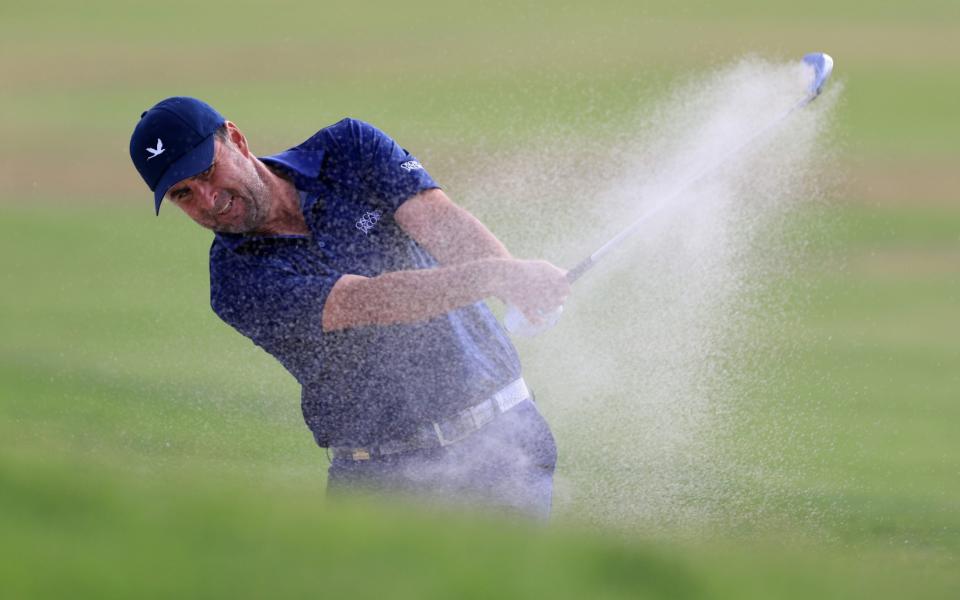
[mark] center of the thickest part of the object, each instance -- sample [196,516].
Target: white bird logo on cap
[155,152]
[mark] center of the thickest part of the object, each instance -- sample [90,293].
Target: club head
[822,67]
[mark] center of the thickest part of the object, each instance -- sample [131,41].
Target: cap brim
[192,163]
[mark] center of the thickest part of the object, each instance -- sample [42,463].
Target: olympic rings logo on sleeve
[411,165]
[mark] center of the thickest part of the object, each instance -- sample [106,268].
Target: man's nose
[206,193]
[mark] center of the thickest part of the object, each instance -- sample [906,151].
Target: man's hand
[536,287]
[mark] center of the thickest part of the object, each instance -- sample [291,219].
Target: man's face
[230,196]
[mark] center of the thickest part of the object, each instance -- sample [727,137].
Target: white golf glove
[517,324]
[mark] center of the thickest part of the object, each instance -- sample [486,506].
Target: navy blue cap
[174,140]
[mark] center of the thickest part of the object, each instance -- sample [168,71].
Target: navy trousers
[507,465]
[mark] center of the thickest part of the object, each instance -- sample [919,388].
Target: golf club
[515,321]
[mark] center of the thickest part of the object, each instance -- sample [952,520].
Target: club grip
[584,266]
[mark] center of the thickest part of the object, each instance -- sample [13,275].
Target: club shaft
[588,263]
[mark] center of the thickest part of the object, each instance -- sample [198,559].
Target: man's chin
[250,224]
[239,228]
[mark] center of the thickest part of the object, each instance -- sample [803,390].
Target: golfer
[343,259]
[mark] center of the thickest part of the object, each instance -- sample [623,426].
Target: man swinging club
[344,260]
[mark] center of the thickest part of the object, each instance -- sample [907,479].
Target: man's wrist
[493,272]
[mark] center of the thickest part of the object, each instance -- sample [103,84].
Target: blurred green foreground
[146,450]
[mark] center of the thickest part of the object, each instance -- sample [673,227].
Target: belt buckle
[464,428]
[483,413]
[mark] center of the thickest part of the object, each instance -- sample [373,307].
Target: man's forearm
[449,232]
[474,266]
[408,296]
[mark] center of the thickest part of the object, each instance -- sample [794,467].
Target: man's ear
[237,138]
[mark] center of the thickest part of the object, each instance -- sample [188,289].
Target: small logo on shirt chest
[368,220]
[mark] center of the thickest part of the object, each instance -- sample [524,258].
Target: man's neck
[286,216]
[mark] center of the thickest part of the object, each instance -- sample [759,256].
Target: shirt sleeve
[391,173]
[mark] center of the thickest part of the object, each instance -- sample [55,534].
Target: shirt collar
[233,241]
[303,163]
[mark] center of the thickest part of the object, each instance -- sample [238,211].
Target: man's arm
[407,296]
[474,266]
[454,236]
[450,233]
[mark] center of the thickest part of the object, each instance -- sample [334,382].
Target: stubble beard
[256,204]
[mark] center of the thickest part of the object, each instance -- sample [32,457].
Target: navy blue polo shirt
[367,384]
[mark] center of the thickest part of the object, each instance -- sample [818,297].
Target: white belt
[447,431]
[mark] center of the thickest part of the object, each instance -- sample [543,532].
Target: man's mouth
[226,207]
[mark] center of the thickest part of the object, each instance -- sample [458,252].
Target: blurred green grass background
[147,450]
